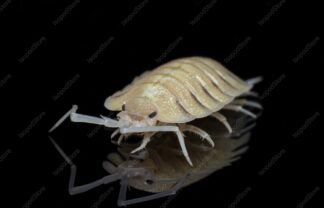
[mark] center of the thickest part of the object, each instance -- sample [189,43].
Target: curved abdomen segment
[183,90]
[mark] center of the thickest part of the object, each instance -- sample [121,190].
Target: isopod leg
[122,201]
[247,103]
[222,119]
[83,188]
[242,131]
[238,108]
[253,81]
[250,93]
[174,129]
[146,139]
[120,139]
[114,133]
[198,131]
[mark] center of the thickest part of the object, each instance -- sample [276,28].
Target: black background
[59,63]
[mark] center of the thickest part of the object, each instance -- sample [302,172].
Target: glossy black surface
[59,53]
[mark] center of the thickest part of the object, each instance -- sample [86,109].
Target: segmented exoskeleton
[168,97]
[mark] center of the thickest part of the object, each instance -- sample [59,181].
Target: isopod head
[137,111]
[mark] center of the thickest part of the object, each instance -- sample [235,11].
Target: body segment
[183,90]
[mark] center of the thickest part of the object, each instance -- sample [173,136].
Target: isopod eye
[149,182]
[152,115]
[124,107]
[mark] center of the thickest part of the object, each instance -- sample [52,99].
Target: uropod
[168,97]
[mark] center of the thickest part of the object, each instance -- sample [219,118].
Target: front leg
[174,129]
[145,141]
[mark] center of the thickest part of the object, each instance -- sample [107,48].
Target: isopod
[168,97]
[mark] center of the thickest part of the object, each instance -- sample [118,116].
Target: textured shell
[164,160]
[183,89]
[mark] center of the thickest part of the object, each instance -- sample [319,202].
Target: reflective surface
[163,160]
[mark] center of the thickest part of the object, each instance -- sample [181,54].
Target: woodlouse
[166,98]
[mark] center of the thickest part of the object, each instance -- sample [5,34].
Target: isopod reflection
[160,168]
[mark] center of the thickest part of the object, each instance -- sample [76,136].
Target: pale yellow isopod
[168,97]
